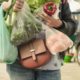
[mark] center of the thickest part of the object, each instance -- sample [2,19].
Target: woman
[50,71]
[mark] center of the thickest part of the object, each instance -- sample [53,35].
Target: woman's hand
[18,5]
[6,5]
[50,21]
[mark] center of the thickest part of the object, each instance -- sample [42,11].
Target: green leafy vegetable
[34,4]
[2,1]
[10,16]
[25,26]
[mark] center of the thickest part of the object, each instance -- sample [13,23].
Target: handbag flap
[36,46]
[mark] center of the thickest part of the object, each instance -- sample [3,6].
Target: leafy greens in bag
[2,1]
[25,27]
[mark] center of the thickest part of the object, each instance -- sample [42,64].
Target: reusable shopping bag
[8,52]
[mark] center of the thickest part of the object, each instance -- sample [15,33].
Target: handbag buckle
[33,54]
[32,50]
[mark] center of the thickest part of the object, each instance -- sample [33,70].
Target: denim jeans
[17,72]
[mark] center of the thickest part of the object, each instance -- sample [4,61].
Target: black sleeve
[69,25]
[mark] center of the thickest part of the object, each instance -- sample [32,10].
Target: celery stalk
[13,17]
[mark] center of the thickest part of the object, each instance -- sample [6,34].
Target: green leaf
[56,1]
[2,1]
[34,4]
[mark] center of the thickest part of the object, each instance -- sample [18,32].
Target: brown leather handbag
[34,54]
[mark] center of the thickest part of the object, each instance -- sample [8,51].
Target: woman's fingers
[18,5]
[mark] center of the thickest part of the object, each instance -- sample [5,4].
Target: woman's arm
[69,25]
[65,24]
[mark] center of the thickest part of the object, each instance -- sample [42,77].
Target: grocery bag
[8,52]
[25,27]
[56,41]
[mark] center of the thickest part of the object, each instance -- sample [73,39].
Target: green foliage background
[2,1]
